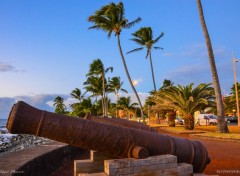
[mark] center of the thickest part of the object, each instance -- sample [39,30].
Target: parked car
[178,120]
[205,119]
[232,119]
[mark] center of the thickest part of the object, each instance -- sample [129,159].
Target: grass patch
[180,129]
[158,125]
[210,131]
[210,128]
[232,129]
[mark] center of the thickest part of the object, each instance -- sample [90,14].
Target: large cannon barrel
[114,140]
[121,122]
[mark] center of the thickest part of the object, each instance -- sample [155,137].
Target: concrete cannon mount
[44,160]
[100,164]
[41,160]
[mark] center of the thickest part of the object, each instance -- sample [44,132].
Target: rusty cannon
[121,122]
[114,140]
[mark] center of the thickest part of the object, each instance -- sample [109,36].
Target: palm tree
[97,69]
[186,100]
[115,85]
[144,37]
[166,83]
[126,105]
[111,18]
[233,91]
[93,85]
[229,104]
[222,124]
[230,101]
[60,107]
[87,106]
[82,108]
[77,94]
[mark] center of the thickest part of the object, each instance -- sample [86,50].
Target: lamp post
[236,87]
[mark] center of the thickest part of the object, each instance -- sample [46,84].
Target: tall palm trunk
[171,118]
[106,104]
[189,121]
[150,58]
[154,83]
[129,78]
[104,95]
[117,99]
[222,124]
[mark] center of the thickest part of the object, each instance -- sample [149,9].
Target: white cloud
[168,54]
[38,101]
[196,50]
[184,75]
[200,50]
[67,101]
[45,101]
[4,67]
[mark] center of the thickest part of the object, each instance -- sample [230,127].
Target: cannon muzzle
[110,139]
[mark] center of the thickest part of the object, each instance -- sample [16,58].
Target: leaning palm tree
[97,69]
[222,124]
[111,18]
[186,100]
[60,107]
[115,85]
[144,37]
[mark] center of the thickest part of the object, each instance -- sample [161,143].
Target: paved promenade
[224,155]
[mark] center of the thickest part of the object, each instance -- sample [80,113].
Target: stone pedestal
[90,166]
[101,165]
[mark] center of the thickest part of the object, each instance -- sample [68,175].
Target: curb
[194,134]
[183,132]
[215,138]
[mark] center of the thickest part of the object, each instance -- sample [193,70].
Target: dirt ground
[225,157]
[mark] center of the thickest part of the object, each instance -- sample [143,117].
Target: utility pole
[236,87]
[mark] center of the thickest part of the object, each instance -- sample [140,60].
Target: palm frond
[109,69]
[138,41]
[123,90]
[148,53]
[135,50]
[156,47]
[131,24]
[158,38]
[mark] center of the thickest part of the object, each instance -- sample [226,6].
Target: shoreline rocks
[14,142]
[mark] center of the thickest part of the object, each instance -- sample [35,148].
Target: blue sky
[46,47]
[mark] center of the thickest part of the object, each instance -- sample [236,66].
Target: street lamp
[236,87]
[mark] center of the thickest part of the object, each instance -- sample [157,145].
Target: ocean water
[3,123]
